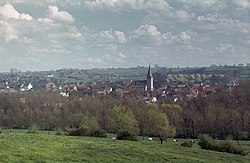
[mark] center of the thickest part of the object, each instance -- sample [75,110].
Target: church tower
[150,81]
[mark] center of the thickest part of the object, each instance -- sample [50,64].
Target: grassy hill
[23,147]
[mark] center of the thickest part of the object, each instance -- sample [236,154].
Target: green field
[19,146]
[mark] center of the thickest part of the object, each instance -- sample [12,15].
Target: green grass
[19,146]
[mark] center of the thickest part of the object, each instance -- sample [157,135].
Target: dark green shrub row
[187,144]
[84,132]
[89,127]
[206,142]
[126,136]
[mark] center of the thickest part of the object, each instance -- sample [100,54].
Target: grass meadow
[19,146]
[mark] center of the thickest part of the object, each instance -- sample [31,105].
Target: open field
[19,146]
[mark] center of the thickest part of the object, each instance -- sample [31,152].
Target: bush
[187,144]
[34,129]
[76,132]
[206,142]
[83,132]
[59,131]
[98,133]
[126,136]
[231,147]
[89,127]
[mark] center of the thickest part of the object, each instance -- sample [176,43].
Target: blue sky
[53,34]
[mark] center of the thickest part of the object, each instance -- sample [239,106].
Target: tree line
[221,114]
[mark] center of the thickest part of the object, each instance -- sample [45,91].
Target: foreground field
[23,147]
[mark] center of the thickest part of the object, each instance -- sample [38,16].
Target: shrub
[59,131]
[98,133]
[231,147]
[126,136]
[89,127]
[206,142]
[187,144]
[34,129]
[76,132]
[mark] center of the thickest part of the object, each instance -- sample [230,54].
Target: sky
[53,34]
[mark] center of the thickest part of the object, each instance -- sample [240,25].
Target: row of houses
[144,87]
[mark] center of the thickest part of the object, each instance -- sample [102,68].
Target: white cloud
[225,48]
[146,29]
[64,16]
[106,35]
[181,15]
[94,60]
[2,50]
[120,36]
[116,56]
[8,31]
[45,20]
[185,36]
[242,3]
[121,55]
[205,3]
[35,50]
[149,35]
[169,38]
[216,18]
[9,11]
[125,4]
[168,32]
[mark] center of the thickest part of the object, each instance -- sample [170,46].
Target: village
[151,83]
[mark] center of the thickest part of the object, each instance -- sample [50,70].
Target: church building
[144,86]
[150,81]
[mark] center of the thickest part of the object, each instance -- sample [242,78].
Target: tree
[124,123]
[89,127]
[174,114]
[92,128]
[158,125]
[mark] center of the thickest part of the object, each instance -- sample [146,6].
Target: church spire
[150,81]
[149,75]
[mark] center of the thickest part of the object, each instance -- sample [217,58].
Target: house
[103,90]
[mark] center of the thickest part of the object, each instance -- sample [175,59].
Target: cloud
[242,3]
[116,56]
[185,36]
[9,11]
[45,20]
[64,16]
[94,60]
[146,30]
[115,5]
[106,35]
[146,35]
[225,48]
[206,3]
[8,31]
[2,50]
[123,32]
[35,50]
[149,35]
[120,36]
[213,18]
